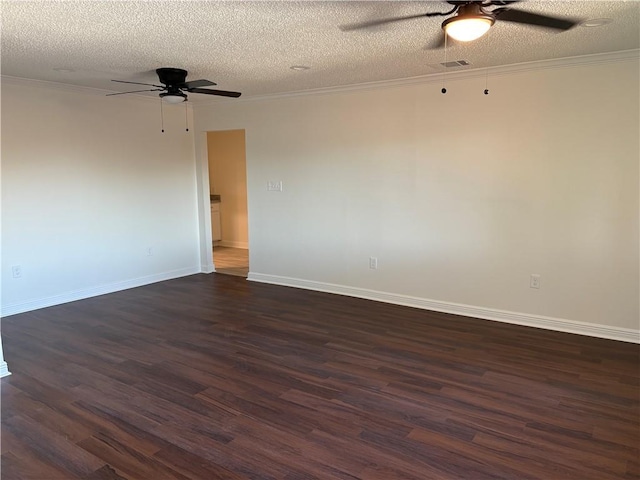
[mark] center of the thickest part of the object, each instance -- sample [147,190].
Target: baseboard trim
[234,244]
[207,268]
[4,370]
[525,319]
[16,308]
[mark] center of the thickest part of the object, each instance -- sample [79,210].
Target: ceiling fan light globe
[466,29]
[170,98]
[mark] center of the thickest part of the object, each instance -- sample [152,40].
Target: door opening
[228,194]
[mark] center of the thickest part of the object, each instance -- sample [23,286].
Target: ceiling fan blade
[375,23]
[501,2]
[520,16]
[136,91]
[222,93]
[197,83]
[138,83]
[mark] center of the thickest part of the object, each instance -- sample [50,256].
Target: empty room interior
[283,240]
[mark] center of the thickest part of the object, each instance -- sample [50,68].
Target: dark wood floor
[213,377]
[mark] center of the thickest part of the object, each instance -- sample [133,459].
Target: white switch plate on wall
[274,186]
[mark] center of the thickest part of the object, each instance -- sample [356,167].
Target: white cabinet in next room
[216,230]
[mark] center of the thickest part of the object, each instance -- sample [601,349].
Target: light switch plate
[274,186]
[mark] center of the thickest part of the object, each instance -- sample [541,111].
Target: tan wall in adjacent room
[228,178]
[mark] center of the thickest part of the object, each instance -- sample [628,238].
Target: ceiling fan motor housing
[469,10]
[175,84]
[172,76]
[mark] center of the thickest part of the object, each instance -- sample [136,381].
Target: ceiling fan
[473,19]
[174,86]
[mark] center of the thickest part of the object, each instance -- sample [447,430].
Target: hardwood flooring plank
[53,447]
[126,459]
[291,453]
[193,466]
[376,458]
[105,473]
[558,462]
[213,451]
[30,467]
[115,426]
[57,421]
[126,410]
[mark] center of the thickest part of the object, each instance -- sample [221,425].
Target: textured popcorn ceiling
[249,46]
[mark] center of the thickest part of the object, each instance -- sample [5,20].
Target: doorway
[228,194]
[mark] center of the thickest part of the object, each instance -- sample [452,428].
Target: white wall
[89,183]
[460,196]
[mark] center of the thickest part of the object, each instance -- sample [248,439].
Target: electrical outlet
[274,186]
[373,263]
[534,281]
[16,271]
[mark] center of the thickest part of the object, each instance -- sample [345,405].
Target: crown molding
[436,77]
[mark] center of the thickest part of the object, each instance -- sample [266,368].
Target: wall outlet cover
[16,271]
[534,281]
